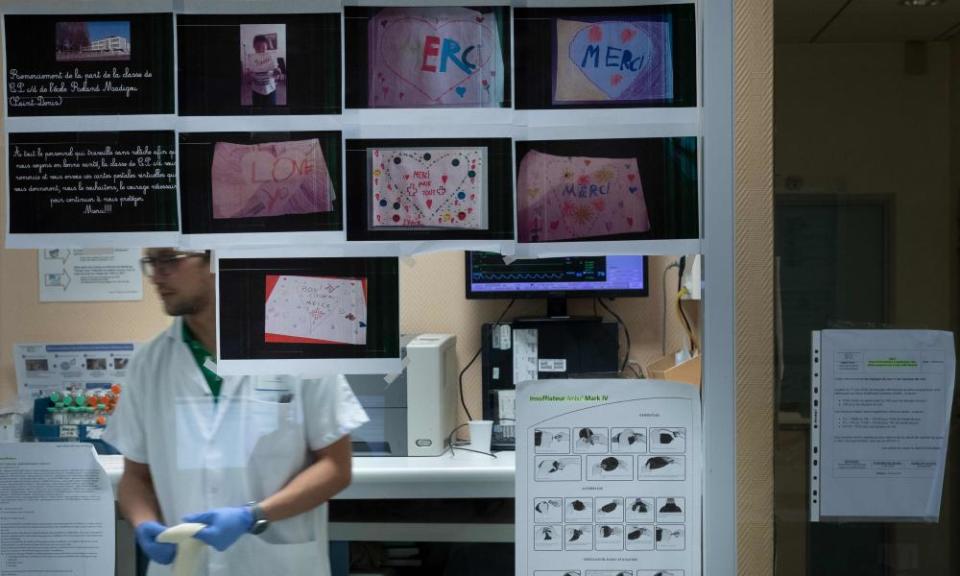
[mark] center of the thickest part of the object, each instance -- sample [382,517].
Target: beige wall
[753,276]
[432,299]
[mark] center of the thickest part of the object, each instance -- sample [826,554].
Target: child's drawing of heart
[611,54]
[432,187]
[399,54]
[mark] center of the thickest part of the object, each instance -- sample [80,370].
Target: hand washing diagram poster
[434,56]
[428,187]
[608,478]
[577,197]
[270,179]
[619,60]
[318,310]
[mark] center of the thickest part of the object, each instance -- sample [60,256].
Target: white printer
[414,413]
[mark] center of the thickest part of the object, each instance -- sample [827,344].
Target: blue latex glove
[224,525]
[159,552]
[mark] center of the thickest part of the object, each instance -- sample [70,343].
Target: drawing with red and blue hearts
[613,60]
[428,187]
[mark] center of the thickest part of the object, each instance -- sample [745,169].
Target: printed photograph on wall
[605,57]
[618,189]
[263,56]
[94,41]
[76,182]
[296,308]
[316,310]
[436,189]
[427,57]
[422,188]
[260,182]
[258,64]
[104,64]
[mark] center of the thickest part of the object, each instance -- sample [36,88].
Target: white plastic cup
[480,431]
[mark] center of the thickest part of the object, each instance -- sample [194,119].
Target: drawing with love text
[270,179]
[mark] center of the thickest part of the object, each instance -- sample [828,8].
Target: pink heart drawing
[573,200]
[408,65]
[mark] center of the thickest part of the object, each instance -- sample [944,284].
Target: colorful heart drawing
[435,56]
[433,188]
[576,197]
[599,51]
[629,59]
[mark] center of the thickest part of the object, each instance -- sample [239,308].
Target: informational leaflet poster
[92,274]
[608,478]
[57,510]
[881,402]
[45,368]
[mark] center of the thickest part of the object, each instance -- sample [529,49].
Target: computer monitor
[555,279]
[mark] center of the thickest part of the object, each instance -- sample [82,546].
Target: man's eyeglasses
[153,265]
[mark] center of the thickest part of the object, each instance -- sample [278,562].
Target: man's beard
[182,308]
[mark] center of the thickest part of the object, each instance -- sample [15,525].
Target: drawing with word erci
[318,310]
[428,187]
[435,56]
[270,179]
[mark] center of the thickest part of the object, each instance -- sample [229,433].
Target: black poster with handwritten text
[72,182]
[94,64]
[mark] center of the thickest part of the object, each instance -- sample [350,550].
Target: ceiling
[847,21]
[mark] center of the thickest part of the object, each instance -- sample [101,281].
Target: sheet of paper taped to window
[627,60]
[576,197]
[434,56]
[270,179]
[428,187]
[315,309]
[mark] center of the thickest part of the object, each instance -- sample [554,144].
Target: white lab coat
[245,447]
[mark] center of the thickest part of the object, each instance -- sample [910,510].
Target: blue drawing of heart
[612,54]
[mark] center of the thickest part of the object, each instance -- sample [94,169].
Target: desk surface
[458,475]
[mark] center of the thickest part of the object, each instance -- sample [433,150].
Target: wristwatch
[260,522]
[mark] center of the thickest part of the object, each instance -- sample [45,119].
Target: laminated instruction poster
[608,478]
[880,420]
[88,367]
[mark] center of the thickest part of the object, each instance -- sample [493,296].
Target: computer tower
[540,349]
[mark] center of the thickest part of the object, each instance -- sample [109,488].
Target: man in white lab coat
[253,458]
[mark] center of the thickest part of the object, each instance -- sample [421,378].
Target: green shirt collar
[202,358]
